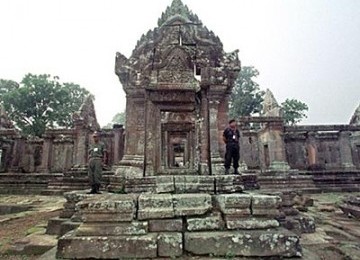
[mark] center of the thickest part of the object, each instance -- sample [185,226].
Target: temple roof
[178,28]
[176,9]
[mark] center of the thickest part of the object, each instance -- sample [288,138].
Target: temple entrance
[177,139]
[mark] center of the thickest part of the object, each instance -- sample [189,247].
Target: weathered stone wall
[117,226]
[317,147]
[55,151]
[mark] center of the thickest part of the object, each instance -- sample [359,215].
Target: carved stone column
[132,163]
[118,143]
[345,150]
[204,136]
[81,145]
[217,161]
[46,153]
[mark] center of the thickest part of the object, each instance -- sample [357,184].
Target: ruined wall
[317,147]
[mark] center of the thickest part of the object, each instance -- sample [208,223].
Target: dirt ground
[18,225]
[337,236]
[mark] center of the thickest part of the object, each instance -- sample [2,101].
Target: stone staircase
[311,181]
[76,179]
[27,183]
[337,181]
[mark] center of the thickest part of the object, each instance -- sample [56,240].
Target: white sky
[306,49]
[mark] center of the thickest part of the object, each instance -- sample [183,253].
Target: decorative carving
[177,27]
[270,105]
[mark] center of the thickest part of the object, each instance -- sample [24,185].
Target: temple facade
[177,83]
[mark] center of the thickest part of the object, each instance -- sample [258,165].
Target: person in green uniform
[97,157]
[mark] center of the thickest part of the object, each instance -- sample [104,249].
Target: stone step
[35,244]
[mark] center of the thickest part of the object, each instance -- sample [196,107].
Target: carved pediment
[176,72]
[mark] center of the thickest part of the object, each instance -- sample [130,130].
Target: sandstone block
[250,223]
[194,184]
[260,243]
[165,225]
[113,247]
[170,244]
[113,229]
[153,206]
[234,204]
[265,201]
[211,222]
[153,184]
[111,207]
[191,204]
[54,225]
[224,183]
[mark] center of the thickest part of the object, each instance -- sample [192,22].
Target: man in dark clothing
[97,156]
[231,138]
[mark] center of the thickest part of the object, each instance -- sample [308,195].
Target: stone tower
[177,83]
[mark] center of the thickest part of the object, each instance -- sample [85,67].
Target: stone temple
[177,83]
[166,194]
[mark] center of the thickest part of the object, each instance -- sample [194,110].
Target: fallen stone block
[155,206]
[191,204]
[260,243]
[33,245]
[170,244]
[212,222]
[351,210]
[265,201]
[300,224]
[165,225]
[113,229]
[54,225]
[113,247]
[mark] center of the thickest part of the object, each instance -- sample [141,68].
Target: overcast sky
[306,49]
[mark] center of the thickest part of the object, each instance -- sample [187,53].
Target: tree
[246,97]
[119,118]
[41,101]
[294,111]
[6,86]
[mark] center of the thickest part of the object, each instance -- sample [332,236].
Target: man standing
[97,156]
[231,138]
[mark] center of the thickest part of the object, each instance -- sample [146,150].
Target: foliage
[246,97]
[294,111]
[119,118]
[6,86]
[41,101]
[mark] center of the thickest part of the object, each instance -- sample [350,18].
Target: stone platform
[114,226]
[212,184]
